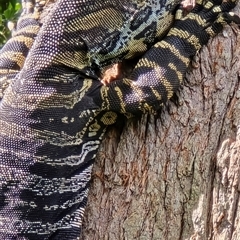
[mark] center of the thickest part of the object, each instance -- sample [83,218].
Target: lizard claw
[206,20]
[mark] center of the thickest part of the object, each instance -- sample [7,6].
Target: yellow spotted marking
[16,57]
[210,31]
[97,19]
[200,21]
[65,120]
[109,118]
[145,63]
[28,29]
[179,33]
[104,96]
[159,71]
[195,42]
[174,50]
[28,41]
[179,14]
[185,35]
[208,5]
[75,59]
[174,67]
[146,108]
[137,47]
[217,9]
[120,97]
[93,129]
[157,94]
[68,101]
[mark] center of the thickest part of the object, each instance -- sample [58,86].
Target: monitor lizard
[54,113]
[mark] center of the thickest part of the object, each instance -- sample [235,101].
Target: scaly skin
[15,51]
[54,114]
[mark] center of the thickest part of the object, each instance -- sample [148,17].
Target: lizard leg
[15,51]
[161,70]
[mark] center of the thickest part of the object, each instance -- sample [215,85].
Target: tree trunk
[176,175]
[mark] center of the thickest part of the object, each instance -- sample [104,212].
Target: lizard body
[54,114]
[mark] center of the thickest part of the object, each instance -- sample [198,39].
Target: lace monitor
[55,111]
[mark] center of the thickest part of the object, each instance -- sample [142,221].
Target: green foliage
[9,10]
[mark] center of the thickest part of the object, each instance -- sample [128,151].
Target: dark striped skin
[15,51]
[54,114]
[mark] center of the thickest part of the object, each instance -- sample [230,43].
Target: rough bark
[176,175]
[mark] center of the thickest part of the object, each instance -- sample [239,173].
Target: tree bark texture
[176,175]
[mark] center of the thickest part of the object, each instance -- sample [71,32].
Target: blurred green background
[9,11]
